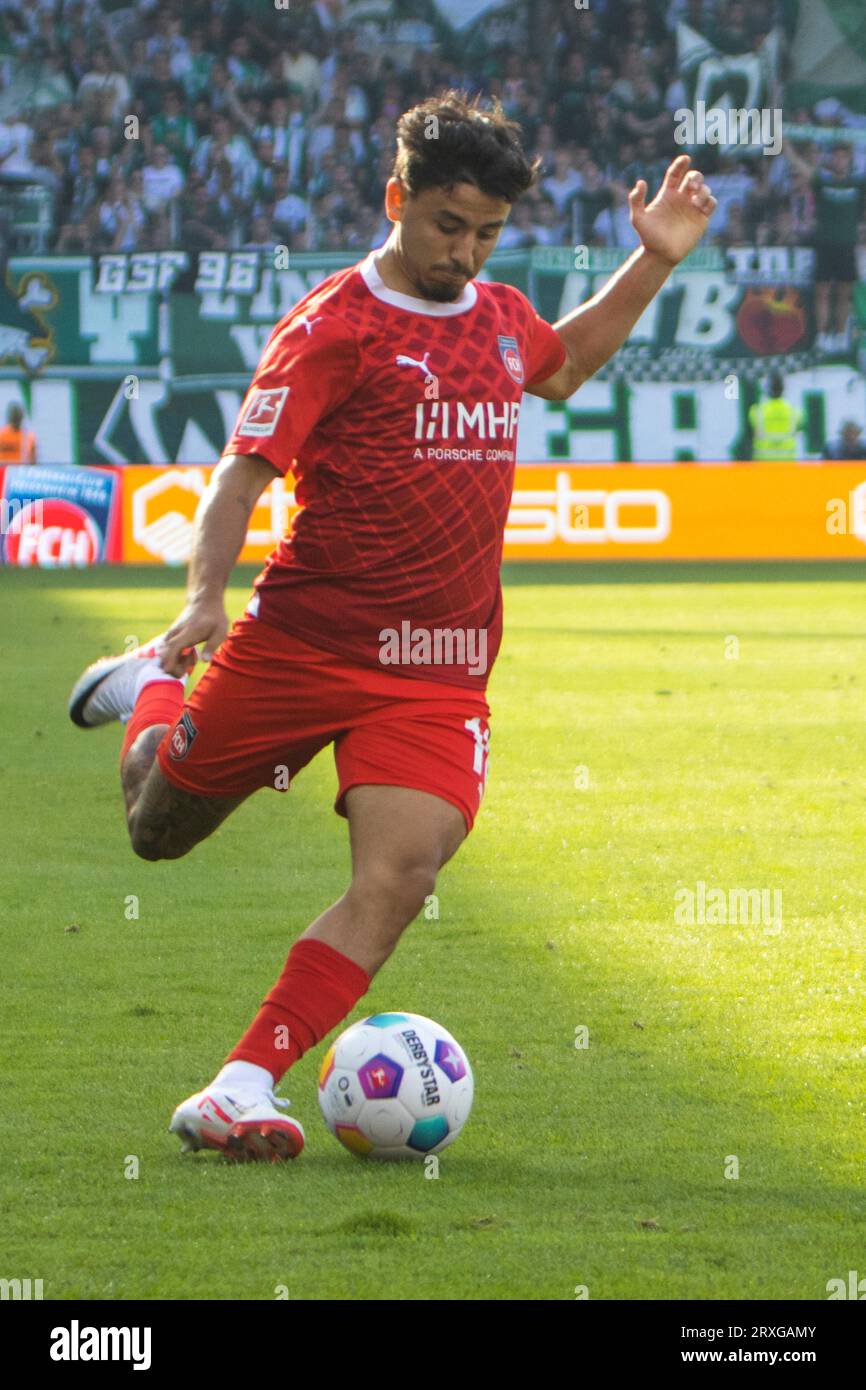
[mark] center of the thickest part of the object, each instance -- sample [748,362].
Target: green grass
[601,1166]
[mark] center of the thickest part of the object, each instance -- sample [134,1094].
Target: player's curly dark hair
[450,139]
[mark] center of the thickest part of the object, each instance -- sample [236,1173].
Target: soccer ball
[395,1086]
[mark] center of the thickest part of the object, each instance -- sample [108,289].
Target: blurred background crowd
[259,125]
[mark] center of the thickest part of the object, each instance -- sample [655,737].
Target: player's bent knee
[167,822]
[154,843]
[400,890]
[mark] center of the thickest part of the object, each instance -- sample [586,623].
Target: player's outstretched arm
[669,228]
[221,524]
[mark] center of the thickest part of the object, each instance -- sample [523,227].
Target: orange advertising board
[735,511]
[159,505]
[732,511]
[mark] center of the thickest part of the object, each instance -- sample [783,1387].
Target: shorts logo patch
[511,359]
[182,738]
[263,411]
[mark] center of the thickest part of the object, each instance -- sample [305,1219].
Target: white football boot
[245,1125]
[109,688]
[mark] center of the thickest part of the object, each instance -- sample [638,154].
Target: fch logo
[54,534]
[512,361]
[182,738]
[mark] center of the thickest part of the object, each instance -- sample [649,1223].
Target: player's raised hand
[674,222]
[205,623]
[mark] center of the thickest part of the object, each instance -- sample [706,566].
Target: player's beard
[429,287]
[441,291]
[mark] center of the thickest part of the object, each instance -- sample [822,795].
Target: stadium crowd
[259,125]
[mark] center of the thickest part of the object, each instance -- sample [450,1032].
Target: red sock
[159,702]
[318,987]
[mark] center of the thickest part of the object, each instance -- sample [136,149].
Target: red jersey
[398,419]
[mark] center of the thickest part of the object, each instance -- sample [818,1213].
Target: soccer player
[392,393]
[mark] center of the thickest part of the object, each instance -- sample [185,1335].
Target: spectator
[734,182]
[139,66]
[518,233]
[735,233]
[102,80]
[75,239]
[200,219]
[301,69]
[588,202]
[46,42]
[17,444]
[731,33]
[646,166]
[78,61]
[121,218]
[613,226]
[261,235]
[103,152]
[162,180]
[323,181]
[46,168]
[64,133]
[839,203]
[152,87]
[225,143]
[193,68]
[16,137]
[604,136]
[53,86]
[849,445]
[289,211]
[545,149]
[564,182]
[229,207]
[631,68]
[85,185]
[646,114]
[266,168]
[785,233]
[173,129]
[775,424]
[324,133]
[547,225]
[241,67]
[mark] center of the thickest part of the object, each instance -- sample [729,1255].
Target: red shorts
[269,702]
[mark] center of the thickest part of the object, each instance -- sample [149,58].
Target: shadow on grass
[524,572]
[514,573]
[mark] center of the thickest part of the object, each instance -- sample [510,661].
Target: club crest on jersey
[263,411]
[510,354]
[182,738]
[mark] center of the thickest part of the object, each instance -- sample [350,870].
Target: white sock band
[245,1075]
[152,671]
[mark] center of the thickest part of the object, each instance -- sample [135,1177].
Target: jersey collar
[376,285]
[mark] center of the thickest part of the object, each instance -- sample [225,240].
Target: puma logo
[403,361]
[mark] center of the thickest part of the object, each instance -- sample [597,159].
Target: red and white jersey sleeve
[546,350]
[308,368]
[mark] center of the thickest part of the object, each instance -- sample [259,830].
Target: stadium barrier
[144,357]
[142,514]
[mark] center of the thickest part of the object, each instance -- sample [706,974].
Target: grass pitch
[653,729]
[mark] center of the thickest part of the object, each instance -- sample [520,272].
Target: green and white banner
[144,358]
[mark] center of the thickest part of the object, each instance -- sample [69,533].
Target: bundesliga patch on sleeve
[263,411]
